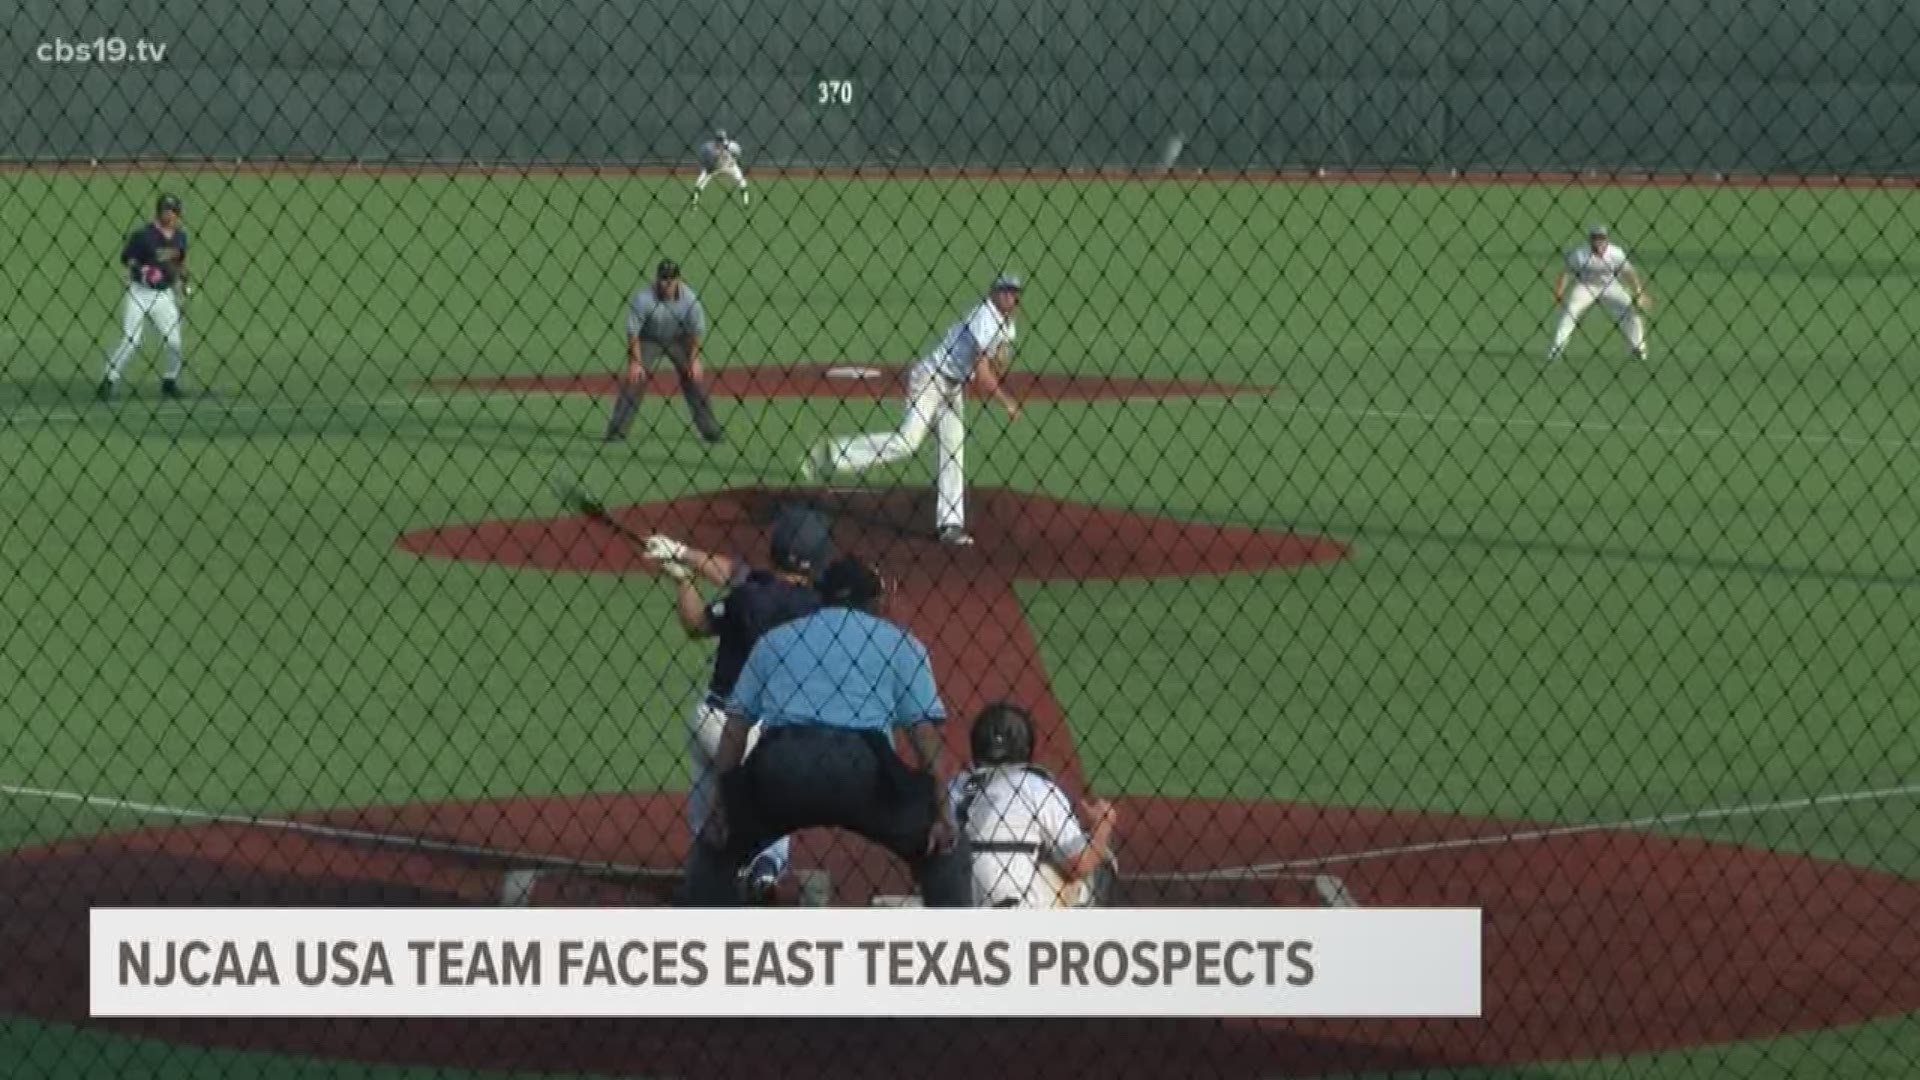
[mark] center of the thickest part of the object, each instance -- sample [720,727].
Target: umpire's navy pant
[821,777]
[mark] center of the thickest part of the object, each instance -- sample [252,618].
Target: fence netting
[1297,456]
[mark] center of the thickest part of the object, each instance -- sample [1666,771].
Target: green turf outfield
[1592,592]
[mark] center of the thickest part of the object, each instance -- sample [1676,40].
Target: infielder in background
[976,349]
[1028,849]
[755,601]
[721,155]
[1598,270]
[664,319]
[155,257]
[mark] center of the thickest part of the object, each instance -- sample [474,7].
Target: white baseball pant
[932,403]
[731,172]
[143,304]
[703,745]
[1618,303]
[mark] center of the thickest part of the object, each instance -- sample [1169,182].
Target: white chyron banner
[1240,962]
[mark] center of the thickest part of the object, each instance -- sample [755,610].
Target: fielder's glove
[666,549]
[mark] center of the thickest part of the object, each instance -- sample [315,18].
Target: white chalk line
[125,413]
[1595,427]
[520,859]
[1351,412]
[1261,871]
[1331,888]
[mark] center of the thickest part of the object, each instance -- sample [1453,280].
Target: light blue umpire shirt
[837,668]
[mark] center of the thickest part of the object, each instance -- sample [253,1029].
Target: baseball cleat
[1638,354]
[809,468]
[170,388]
[104,392]
[955,536]
[763,877]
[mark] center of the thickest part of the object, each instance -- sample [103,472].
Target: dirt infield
[999,174]
[960,600]
[856,381]
[1598,943]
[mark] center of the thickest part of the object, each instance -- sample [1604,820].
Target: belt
[1006,847]
[814,731]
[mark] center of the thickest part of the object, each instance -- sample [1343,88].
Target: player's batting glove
[677,570]
[665,549]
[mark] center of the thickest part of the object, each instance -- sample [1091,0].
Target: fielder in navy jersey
[155,258]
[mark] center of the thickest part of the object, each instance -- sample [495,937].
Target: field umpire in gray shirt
[664,319]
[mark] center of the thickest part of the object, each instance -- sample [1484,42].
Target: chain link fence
[1427,455]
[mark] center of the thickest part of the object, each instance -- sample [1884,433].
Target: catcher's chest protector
[991,834]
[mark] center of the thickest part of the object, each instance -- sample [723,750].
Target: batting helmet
[1002,735]
[802,540]
[166,203]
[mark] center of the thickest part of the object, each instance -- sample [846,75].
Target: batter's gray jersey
[665,322]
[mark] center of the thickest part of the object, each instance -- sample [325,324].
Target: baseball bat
[577,500]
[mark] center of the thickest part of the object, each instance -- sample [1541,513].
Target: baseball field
[1298,549]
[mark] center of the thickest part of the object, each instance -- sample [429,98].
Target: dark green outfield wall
[1695,84]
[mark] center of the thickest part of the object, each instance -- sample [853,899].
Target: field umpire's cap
[802,540]
[1002,735]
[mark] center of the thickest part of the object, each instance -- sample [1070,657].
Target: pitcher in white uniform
[1601,274]
[1028,849]
[976,349]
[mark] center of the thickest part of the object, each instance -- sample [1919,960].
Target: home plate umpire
[827,690]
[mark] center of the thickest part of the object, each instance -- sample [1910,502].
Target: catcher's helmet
[166,203]
[1002,735]
[802,540]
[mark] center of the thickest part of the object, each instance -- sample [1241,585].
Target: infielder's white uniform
[721,156]
[1596,279]
[936,399]
[146,304]
[1022,829]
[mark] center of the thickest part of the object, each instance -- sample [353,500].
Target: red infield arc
[858,381]
[1596,944]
